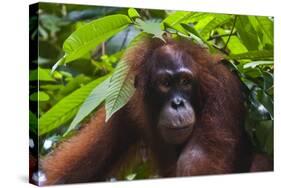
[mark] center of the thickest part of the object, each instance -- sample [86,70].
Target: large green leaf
[201,23]
[184,17]
[65,109]
[264,26]
[176,17]
[234,45]
[96,97]
[247,33]
[121,86]
[92,34]
[120,90]
[193,33]
[217,21]
[191,30]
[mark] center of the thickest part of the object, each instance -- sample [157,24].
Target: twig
[234,22]
[219,36]
[124,40]
[103,48]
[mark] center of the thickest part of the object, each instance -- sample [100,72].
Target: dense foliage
[81,67]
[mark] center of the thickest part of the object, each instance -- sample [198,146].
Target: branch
[231,32]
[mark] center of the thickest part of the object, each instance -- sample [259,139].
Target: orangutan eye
[166,83]
[185,82]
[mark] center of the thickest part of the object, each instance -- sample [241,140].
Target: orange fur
[217,144]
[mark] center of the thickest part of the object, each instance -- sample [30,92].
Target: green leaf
[73,84]
[41,74]
[176,17]
[175,20]
[257,63]
[39,96]
[120,90]
[133,13]
[253,74]
[152,27]
[250,84]
[194,34]
[235,45]
[254,55]
[191,30]
[266,101]
[268,82]
[96,97]
[261,104]
[185,17]
[91,35]
[217,21]
[247,33]
[264,26]
[66,108]
[201,23]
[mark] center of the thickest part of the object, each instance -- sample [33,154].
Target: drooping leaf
[66,108]
[91,35]
[120,90]
[96,97]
